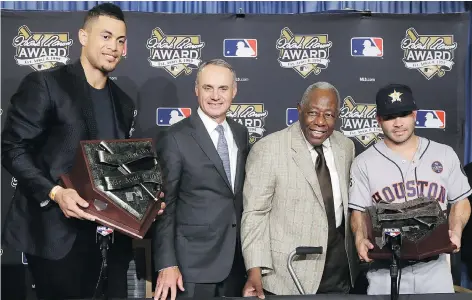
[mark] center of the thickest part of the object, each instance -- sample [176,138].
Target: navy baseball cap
[395,99]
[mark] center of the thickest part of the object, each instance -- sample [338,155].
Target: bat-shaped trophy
[121,180]
[421,222]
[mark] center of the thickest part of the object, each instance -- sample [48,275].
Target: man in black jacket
[466,251]
[51,112]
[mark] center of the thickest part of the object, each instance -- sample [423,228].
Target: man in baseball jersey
[400,168]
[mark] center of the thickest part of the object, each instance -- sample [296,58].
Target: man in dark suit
[50,114]
[466,251]
[196,243]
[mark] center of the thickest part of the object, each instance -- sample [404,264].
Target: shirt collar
[423,144]
[209,123]
[326,143]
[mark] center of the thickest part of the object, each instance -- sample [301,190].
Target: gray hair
[216,62]
[322,86]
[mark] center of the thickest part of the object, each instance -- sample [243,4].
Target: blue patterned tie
[222,148]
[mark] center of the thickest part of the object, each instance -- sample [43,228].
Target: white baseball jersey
[381,174]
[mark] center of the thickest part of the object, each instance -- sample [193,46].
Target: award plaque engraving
[121,180]
[422,223]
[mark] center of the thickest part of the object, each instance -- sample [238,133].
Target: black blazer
[200,228]
[466,243]
[50,114]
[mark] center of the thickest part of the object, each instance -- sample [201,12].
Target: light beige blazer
[284,209]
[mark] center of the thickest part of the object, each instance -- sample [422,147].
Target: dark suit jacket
[49,115]
[466,243]
[201,223]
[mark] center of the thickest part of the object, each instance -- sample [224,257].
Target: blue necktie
[222,148]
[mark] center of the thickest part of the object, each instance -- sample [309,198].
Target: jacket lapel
[82,96]
[239,137]
[203,139]
[122,111]
[302,158]
[339,161]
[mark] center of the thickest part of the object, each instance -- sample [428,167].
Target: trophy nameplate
[121,180]
[423,225]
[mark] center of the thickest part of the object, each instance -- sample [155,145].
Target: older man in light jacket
[296,194]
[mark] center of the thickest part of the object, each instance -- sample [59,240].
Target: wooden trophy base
[113,216]
[436,242]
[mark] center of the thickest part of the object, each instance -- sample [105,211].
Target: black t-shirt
[104,113]
[106,130]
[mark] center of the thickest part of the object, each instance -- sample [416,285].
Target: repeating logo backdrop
[276,58]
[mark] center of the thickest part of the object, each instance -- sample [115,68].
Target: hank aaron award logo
[177,54]
[41,50]
[251,115]
[358,121]
[429,54]
[305,54]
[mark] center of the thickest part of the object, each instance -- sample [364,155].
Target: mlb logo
[367,46]
[103,230]
[23,259]
[393,233]
[426,118]
[240,48]
[166,116]
[291,116]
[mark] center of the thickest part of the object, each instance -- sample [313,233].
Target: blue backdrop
[262,7]
[281,7]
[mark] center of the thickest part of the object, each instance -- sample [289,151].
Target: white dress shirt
[328,153]
[210,126]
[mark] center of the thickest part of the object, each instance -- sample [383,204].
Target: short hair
[322,86]
[216,62]
[105,9]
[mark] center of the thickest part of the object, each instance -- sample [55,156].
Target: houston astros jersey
[380,174]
